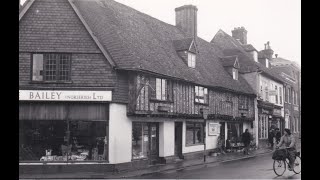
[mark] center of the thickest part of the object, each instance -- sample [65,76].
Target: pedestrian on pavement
[278,135]
[246,138]
[271,136]
[289,141]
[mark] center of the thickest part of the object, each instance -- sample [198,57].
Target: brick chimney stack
[186,19]
[268,51]
[240,34]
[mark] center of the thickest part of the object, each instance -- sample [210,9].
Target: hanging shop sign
[214,129]
[56,95]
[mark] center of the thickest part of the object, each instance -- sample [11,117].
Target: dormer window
[235,73]
[191,60]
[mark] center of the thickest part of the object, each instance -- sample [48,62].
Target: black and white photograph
[159,89]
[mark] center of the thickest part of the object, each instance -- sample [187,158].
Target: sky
[276,21]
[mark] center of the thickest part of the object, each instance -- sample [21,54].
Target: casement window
[263,126]
[161,86]
[191,60]
[289,95]
[280,94]
[201,95]
[276,89]
[194,133]
[293,97]
[235,73]
[161,89]
[266,93]
[267,63]
[243,102]
[285,94]
[51,67]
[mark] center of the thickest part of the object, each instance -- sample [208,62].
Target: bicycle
[280,166]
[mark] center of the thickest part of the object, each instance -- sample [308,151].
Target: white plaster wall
[166,138]
[120,134]
[211,141]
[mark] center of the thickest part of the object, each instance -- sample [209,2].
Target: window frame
[163,95]
[263,130]
[58,68]
[280,95]
[198,97]
[194,133]
[243,102]
[235,74]
[191,60]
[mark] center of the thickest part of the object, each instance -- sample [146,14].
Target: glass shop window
[58,140]
[194,133]
[140,140]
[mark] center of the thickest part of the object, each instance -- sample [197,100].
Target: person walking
[271,136]
[289,141]
[278,135]
[246,138]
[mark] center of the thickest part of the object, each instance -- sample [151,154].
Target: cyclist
[289,141]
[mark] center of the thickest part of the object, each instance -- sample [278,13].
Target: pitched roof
[248,47]
[229,61]
[230,46]
[182,44]
[136,41]
[283,62]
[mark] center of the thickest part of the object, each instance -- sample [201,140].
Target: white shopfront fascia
[64,95]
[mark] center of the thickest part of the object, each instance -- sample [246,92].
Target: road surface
[254,168]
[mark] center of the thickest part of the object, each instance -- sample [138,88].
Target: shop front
[63,126]
[145,141]
[277,120]
[265,112]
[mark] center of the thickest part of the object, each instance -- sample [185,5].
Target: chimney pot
[276,55]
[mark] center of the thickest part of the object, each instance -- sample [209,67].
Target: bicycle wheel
[297,165]
[279,167]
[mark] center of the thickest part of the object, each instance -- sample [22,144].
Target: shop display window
[140,140]
[235,132]
[58,140]
[194,133]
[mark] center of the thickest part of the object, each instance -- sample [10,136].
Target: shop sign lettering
[54,95]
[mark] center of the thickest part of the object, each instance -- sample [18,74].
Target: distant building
[255,68]
[291,74]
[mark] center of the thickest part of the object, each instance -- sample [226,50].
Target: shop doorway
[154,143]
[178,140]
[222,131]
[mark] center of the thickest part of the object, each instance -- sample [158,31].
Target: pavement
[176,166]
[151,171]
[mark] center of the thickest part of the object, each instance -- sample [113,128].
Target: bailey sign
[56,95]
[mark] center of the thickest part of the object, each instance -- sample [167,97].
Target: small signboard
[213,129]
